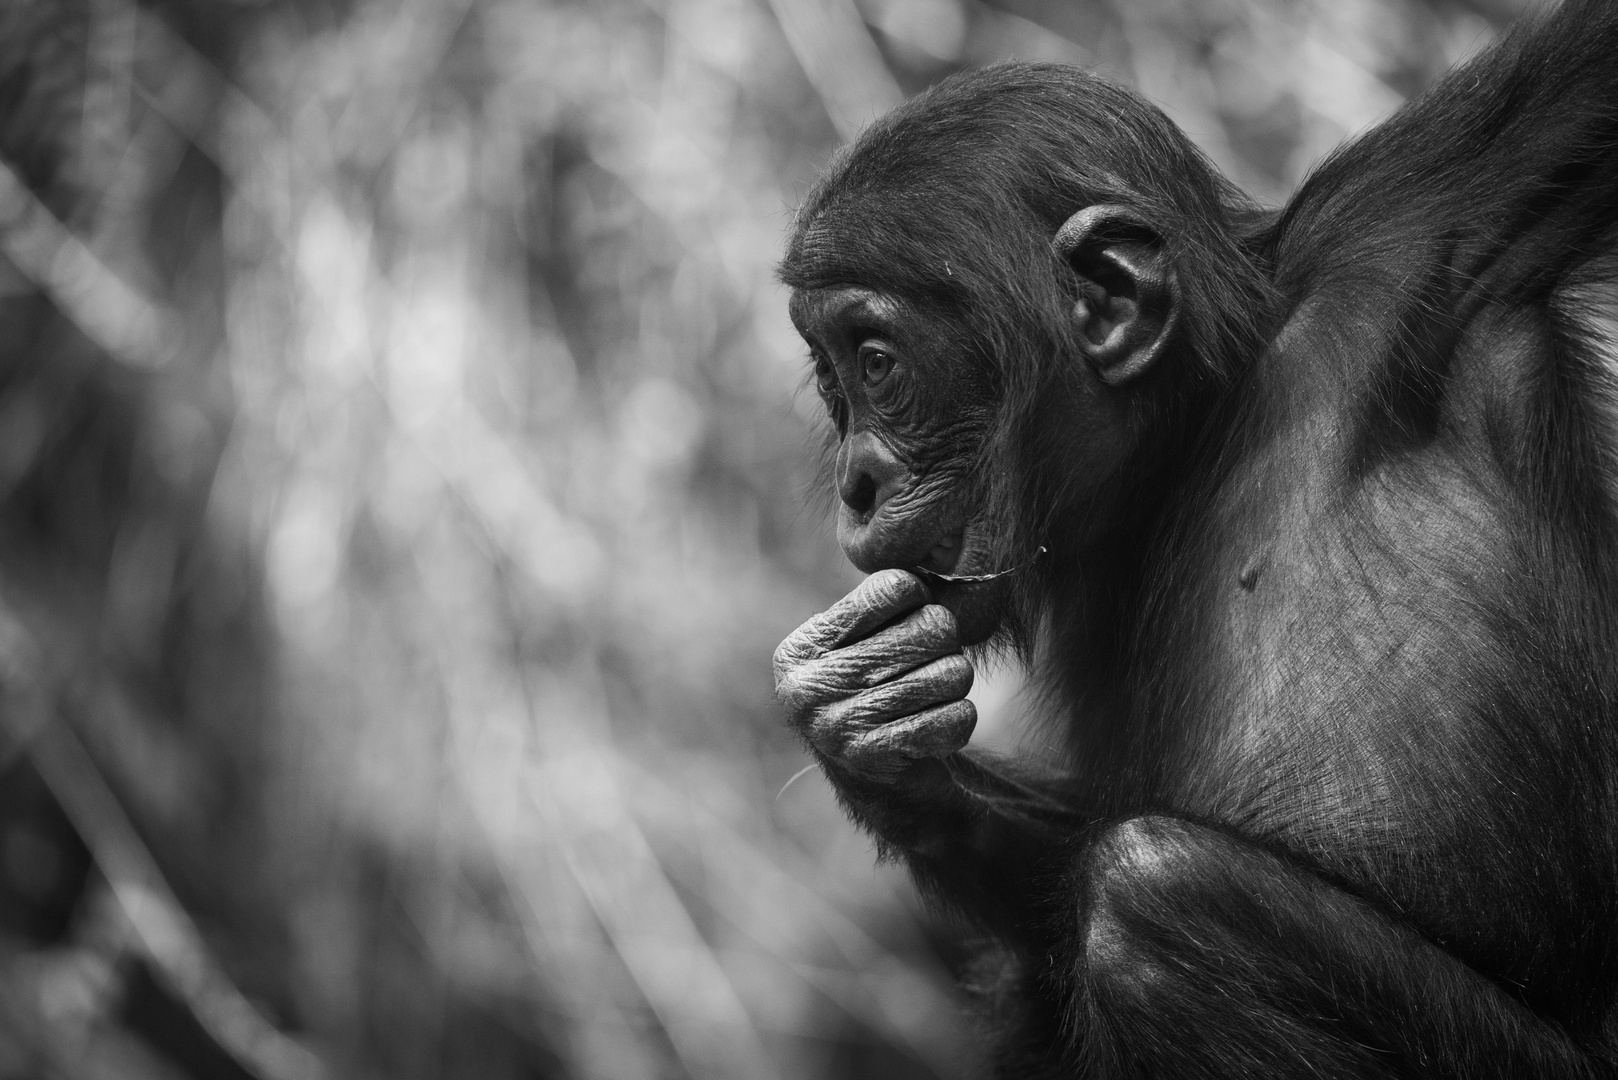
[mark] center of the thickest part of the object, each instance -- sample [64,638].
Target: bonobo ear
[1130,298]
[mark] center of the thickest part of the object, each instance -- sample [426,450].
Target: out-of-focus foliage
[404,462]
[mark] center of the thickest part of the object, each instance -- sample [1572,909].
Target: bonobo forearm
[1284,973]
[978,836]
[876,686]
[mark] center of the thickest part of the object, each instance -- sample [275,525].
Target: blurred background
[405,476]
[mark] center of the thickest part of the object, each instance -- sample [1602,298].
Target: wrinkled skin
[879,680]
[913,410]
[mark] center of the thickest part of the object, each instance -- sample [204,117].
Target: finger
[919,638]
[933,733]
[922,636]
[946,679]
[876,600]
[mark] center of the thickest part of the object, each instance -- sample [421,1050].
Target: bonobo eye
[874,364]
[825,375]
[830,392]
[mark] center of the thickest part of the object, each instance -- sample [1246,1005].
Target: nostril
[868,473]
[859,494]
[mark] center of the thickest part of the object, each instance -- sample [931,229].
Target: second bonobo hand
[978,577]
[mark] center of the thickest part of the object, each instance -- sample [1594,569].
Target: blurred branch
[165,932]
[757,891]
[620,875]
[572,803]
[842,62]
[399,49]
[130,327]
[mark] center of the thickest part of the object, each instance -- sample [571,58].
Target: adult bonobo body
[1329,612]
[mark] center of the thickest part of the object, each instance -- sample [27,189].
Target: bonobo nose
[868,473]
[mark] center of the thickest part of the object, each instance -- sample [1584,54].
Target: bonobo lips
[899,540]
[912,543]
[945,554]
[976,605]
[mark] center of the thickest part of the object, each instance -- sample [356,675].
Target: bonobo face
[911,412]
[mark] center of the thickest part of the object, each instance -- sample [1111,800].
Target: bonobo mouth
[945,557]
[960,577]
[941,576]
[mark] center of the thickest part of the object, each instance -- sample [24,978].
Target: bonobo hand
[873,703]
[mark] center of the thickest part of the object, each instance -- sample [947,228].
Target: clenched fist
[878,681]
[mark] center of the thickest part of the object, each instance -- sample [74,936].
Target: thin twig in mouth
[979,577]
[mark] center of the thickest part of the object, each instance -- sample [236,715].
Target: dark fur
[1339,670]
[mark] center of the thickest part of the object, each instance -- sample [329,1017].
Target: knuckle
[950,728]
[945,679]
[835,719]
[965,715]
[937,623]
[931,733]
[792,690]
[891,580]
[953,722]
[956,714]
[874,757]
[888,662]
[796,647]
[829,732]
[891,587]
[781,662]
[956,672]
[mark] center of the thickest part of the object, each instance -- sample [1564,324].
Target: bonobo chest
[1354,619]
[1384,684]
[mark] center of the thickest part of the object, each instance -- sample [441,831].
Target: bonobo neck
[1109,552]
[1100,554]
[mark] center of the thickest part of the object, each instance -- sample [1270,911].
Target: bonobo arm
[1201,954]
[876,685]
[976,834]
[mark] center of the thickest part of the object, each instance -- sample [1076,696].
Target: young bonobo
[1329,611]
